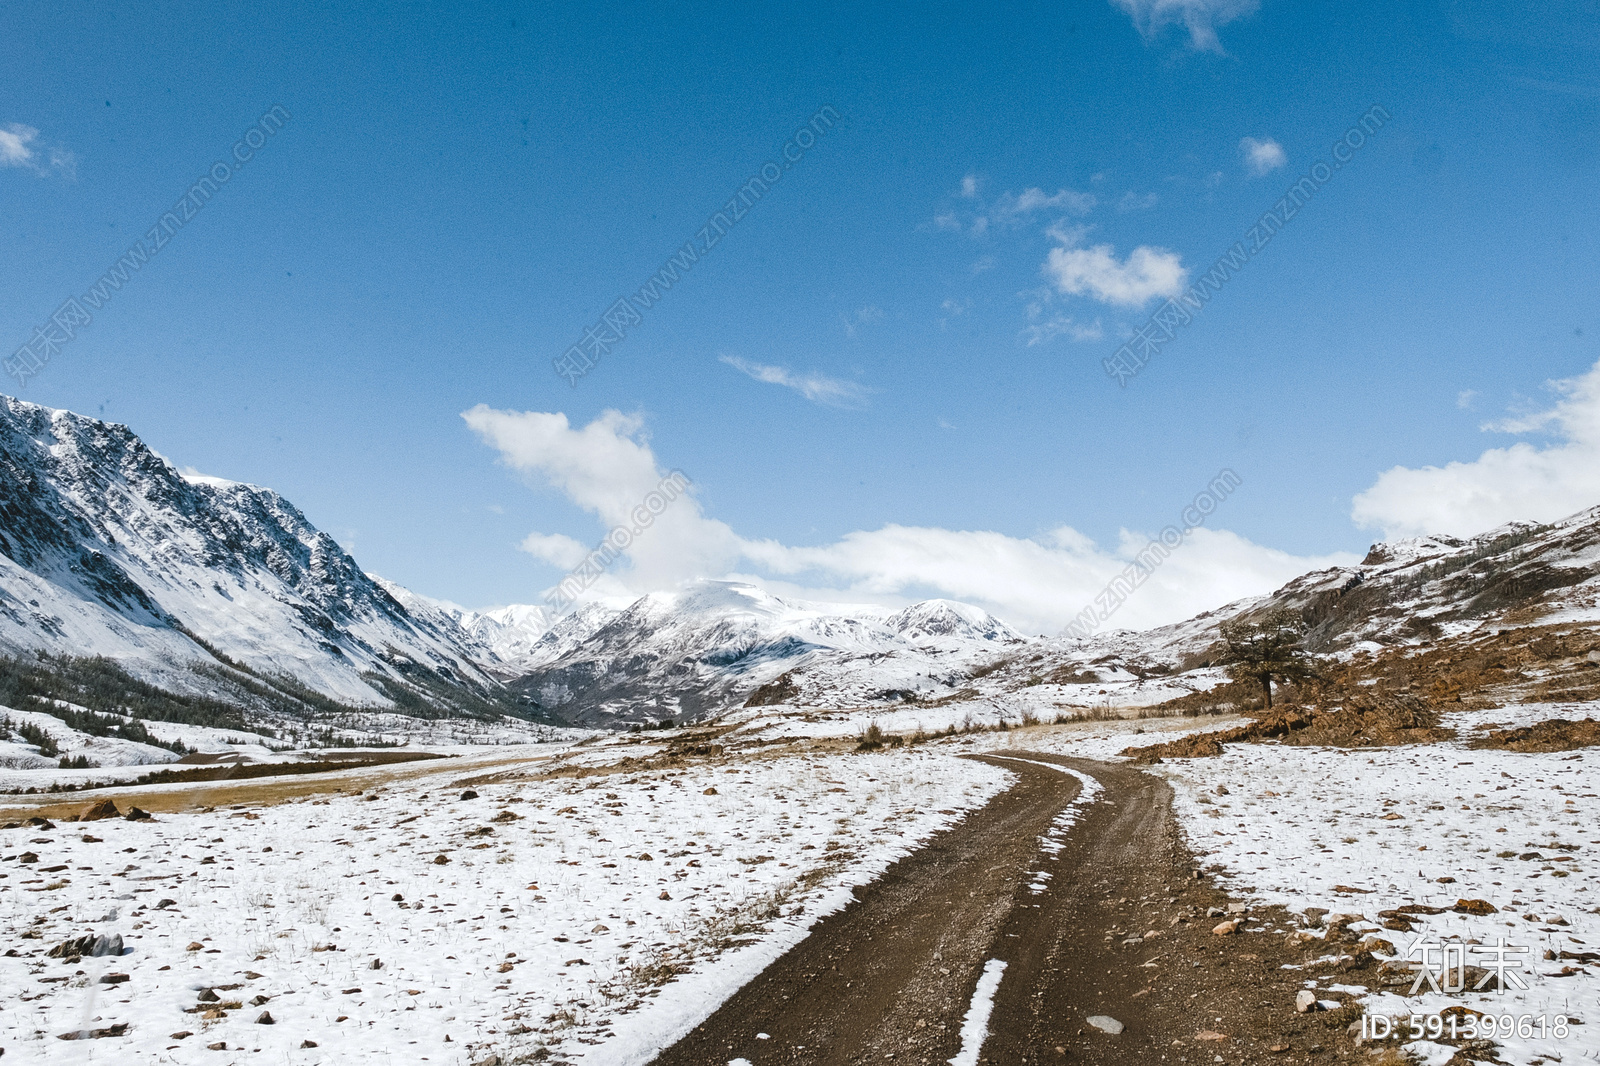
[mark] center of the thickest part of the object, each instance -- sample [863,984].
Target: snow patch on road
[975,1026]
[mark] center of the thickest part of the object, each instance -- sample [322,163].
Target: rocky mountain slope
[107,549]
[1405,597]
[215,588]
[689,654]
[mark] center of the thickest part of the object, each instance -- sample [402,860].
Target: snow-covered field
[1427,824]
[546,911]
[564,902]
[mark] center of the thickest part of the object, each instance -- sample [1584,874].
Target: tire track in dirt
[891,977]
[893,973]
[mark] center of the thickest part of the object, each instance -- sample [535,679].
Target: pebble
[1106,1024]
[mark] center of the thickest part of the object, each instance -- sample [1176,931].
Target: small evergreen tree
[1267,647]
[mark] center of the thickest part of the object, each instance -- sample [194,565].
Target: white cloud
[607,469]
[1200,17]
[1518,483]
[18,148]
[1008,210]
[1038,583]
[1145,274]
[14,141]
[1262,156]
[861,317]
[1132,201]
[817,388]
[1011,207]
[1062,325]
[1465,397]
[557,549]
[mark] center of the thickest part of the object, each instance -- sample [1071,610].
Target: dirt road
[1118,929]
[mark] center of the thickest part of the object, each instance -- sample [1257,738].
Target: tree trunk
[1266,684]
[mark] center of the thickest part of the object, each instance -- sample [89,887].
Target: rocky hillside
[107,549]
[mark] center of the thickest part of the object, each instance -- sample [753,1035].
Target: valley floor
[597,903]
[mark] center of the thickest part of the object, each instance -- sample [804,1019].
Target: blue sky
[459,192]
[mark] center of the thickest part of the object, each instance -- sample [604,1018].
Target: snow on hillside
[106,548]
[701,650]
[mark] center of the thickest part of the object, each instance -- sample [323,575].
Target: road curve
[892,976]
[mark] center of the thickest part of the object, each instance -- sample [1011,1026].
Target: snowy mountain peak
[933,619]
[106,548]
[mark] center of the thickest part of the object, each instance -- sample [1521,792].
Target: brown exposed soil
[1555,734]
[1119,929]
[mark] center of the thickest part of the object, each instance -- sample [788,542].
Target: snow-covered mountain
[705,648]
[1404,593]
[107,549]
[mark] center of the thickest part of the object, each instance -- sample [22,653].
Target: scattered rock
[1215,912]
[375,964]
[136,815]
[1210,1034]
[1220,790]
[113,978]
[164,904]
[1305,1001]
[1106,1024]
[28,856]
[88,945]
[181,1034]
[96,1034]
[1227,928]
[469,795]
[220,1045]
[265,1018]
[1376,945]
[41,823]
[308,1043]
[442,860]
[194,945]
[260,1001]
[95,811]
[507,816]
[1475,906]
[712,791]
[664,894]
[207,996]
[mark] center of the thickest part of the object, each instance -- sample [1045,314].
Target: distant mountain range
[201,585]
[216,588]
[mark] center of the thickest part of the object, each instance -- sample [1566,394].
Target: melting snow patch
[975,1026]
